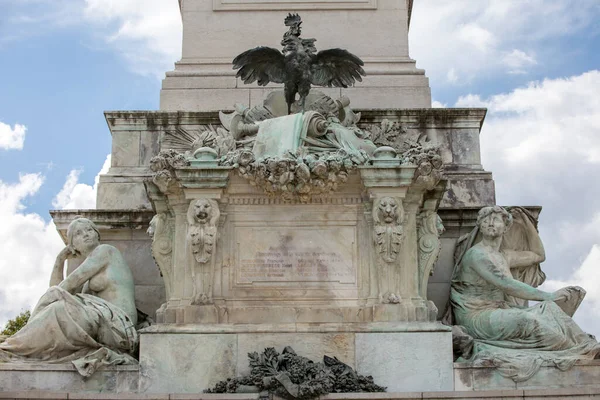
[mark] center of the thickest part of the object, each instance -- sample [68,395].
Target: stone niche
[204,80]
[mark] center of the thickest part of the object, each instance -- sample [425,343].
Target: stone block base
[64,378]
[554,394]
[584,374]
[402,357]
[408,311]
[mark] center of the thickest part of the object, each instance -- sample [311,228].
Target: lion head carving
[387,211]
[203,212]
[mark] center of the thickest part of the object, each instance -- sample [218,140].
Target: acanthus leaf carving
[429,230]
[161,231]
[163,165]
[202,217]
[429,164]
[388,219]
[388,133]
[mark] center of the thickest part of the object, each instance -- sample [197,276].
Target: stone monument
[245,220]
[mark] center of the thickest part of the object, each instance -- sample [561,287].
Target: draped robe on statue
[516,339]
[81,328]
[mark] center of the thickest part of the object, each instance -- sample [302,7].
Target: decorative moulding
[293,5]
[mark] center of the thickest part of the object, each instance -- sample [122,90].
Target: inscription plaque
[296,255]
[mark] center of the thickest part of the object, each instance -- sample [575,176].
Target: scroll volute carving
[161,231]
[430,228]
[202,217]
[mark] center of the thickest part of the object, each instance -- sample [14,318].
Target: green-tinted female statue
[516,339]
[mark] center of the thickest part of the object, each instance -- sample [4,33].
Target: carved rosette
[202,217]
[161,231]
[429,230]
[388,219]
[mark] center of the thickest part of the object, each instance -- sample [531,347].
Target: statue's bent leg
[60,327]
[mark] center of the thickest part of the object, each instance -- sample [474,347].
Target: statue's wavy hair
[399,210]
[78,221]
[485,211]
[213,217]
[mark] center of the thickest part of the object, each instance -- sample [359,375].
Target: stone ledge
[60,367]
[424,117]
[569,393]
[373,327]
[584,375]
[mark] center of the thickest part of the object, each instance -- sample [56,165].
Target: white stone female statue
[87,318]
[516,339]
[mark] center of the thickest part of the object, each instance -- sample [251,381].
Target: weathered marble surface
[584,374]
[406,362]
[203,78]
[445,126]
[185,363]
[398,355]
[24,378]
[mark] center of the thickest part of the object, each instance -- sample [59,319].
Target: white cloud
[77,196]
[29,248]
[451,75]
[588,277]
[29,244]
[517,61]
[552,117]
[474,35]
[479,37]
[147,33]
[542,142]
[12,138]
[437,104]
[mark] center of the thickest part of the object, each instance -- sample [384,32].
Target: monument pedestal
[191,358]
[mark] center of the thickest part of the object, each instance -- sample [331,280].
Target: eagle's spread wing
[336,67]
[262,64]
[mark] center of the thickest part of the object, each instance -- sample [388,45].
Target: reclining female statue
[87,318]
[516,339]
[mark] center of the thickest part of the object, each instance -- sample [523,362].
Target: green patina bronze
[516,339]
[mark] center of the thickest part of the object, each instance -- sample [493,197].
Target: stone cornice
[104,219]
[167,120]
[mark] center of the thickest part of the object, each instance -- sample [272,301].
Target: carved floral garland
[302,175]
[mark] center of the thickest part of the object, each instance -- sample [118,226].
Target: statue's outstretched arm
[93,264]
[481,262]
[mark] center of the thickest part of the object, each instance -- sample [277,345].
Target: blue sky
[533,63]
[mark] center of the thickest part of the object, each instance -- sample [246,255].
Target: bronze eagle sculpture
[299,65]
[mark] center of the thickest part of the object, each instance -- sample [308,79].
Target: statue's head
[388,210]
[203,212]
[83,235]
[494,221]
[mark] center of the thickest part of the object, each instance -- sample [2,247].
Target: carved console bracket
[405,194]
